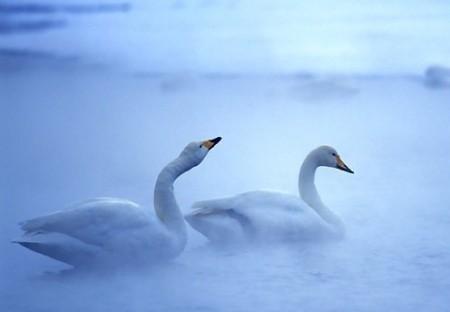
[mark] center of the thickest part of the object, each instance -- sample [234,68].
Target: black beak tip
[346,169]
[216,140]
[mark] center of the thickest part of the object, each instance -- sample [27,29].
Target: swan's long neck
[165,204]
[309,194]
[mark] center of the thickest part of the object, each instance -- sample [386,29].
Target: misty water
[97,104]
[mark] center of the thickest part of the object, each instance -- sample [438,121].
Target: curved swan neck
[308,192]
[165,204]
[306,185]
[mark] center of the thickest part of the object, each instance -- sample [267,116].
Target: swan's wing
[217,220]
[253,213]
[206,207]
[92,221]
[245,203]
[276,216]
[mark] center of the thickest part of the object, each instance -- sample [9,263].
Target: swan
[269,216]
[106,232]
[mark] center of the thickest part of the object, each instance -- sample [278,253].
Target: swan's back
[259,214]
[91,220]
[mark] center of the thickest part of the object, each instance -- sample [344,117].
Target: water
[242,36]
[81,120]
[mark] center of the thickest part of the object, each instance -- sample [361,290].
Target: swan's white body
[266,216]
[117,232]
[100,231]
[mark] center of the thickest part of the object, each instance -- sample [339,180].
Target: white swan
[116,232]
[268,215]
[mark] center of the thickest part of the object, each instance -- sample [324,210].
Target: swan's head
[197,151]
[328,156]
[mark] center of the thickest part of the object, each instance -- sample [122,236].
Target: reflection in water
[11,26]
[437,77]
[40,8]
[19,18]
[18,60]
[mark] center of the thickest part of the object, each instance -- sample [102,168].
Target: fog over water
[98,104]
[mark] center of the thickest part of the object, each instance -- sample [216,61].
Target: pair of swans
[114,232]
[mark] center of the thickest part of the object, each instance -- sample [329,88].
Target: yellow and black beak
[341,165]
[209,144]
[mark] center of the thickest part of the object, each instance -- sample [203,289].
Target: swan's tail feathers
[35,246]
[218,207]
[48,250]
[214,226]
[243,220]
[39,224]
[219,225]
[59,247]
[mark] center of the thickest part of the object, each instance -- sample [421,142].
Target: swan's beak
[341,165]
[209,144]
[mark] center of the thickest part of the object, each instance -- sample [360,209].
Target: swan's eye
[334,154]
